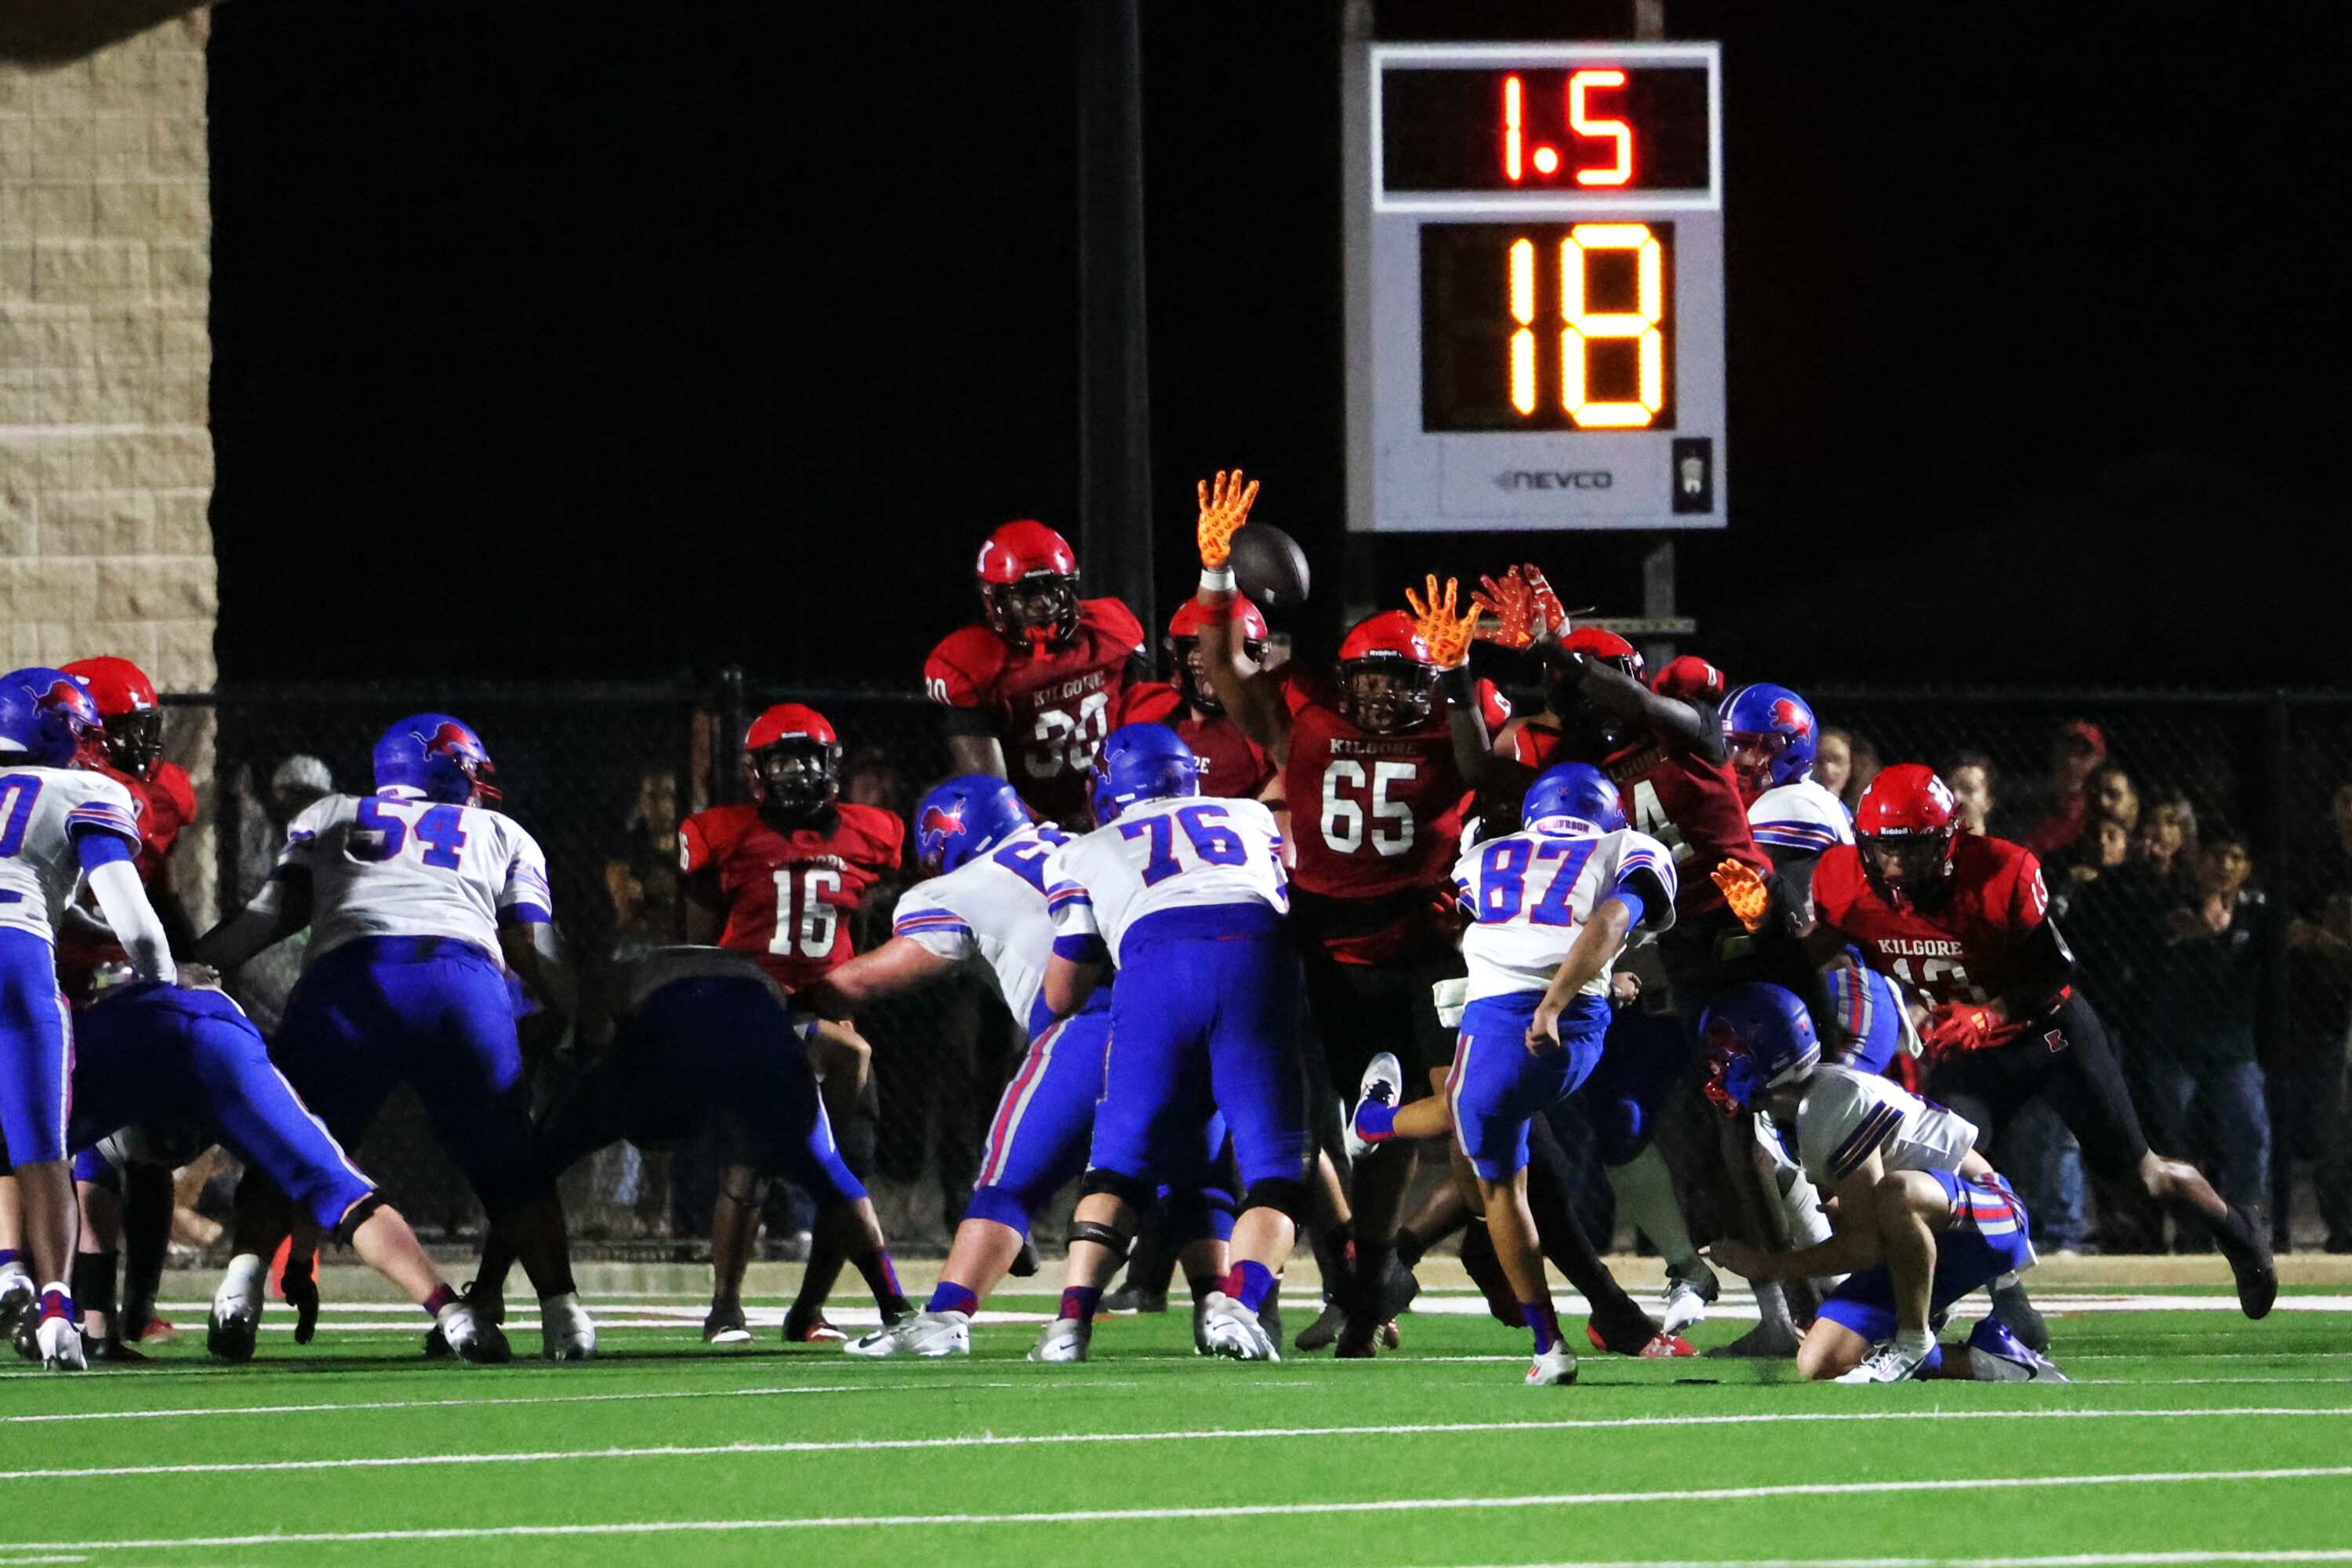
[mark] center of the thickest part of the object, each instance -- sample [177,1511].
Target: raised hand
[1744,892]
[1224,506]
[1447,633]
[1512,603]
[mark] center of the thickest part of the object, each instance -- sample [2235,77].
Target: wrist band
[1460,690]
[1217,580]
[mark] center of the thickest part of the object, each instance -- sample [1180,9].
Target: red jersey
[166,806]
[1681,799]
[1051,710]
[1374,817]
[1235,764]
[1960,953]
[789,896]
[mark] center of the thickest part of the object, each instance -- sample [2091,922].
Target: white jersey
[393,863]
[1801,818]
[1162,855]
[1529,892]
[992,909]
[42,812]
[1846,1116]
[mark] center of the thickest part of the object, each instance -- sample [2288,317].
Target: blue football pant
[36,1050]
[1497,1085]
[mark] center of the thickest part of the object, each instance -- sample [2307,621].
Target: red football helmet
[1609,648]
[1388,677]
[1184,635]
[1905,826]
[792,759]
[126,700]
[1029,584]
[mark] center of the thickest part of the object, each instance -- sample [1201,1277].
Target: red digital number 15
[1517,157]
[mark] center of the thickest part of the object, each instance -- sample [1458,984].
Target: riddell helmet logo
[1554,479]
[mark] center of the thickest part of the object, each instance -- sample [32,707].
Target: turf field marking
[2068,1559]
[448,1404]
[1059,1439]
[1224,1510]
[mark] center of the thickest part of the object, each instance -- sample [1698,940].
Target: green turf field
[2187,1435]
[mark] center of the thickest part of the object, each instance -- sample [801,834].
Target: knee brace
[1134,1194]
[1287,1195]
[1105,1235]
[356,1217]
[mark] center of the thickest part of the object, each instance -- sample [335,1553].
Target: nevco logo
[1554,479]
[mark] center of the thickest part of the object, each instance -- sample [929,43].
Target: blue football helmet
[1577,790]
[1757,1036]
[439,757]
[1771,734]
[963,817]
[1142,761]
[45,717]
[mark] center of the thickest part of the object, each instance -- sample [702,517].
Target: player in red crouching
[1963,920]
[136,1224]
[1231,764]
[1031,690]
[779,877]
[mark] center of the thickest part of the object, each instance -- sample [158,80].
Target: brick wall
[106,457]
[106,449]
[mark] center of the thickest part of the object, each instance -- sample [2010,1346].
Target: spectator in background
[1866,764]
[2310,1097]
[1834,762]
[2054,815]
[1970,777]
[2167,839]
[2203,1079]
[641,878]
[2113,798]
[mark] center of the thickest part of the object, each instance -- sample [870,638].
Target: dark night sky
[626,341]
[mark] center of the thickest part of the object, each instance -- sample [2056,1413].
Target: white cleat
[929,1335]
[1689,1293]
[61,1342]
[1382,1084]
[469,1338]
[1556,1368]
[17,1294]
[1230,1329]
[234,1323]
[1890,1363]
[566,1332]
[1064,1341]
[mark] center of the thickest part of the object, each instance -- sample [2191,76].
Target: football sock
[7,1256]
[243,1276]
[442,1297]
[1772,1312]
[1203,1289]
[1250,1283]
[1646,1195]
[2230,1233]
[57,1301]
[1544,1321]
[1372,1266]
[1332,1243]
[94,1276]
[882,1279]
[1562,1236]
[1913,1341]
[1375,1122]
[949,1297]
[1080,1301]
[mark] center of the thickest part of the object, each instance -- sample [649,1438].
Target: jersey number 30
[810,925]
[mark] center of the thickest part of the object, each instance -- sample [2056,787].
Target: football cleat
[1318,1334]
[1064,1341]
[1890,1363]
[297,1283]
[930,1335]
[2016,1312]
[1690,1292]
[1555,1368]
[566,1332]
[1997,1355]
[235,1323]
[811,1329]
[469,1338]
[17,1293]
[1765,1341]
[1232,1330]
[2250,1267]
[725,1326]
[1659,1346]
[59,1338]
[1128,1299]
[1383,1084]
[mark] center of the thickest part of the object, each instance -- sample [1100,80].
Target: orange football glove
[1223,508]
[1512,603]
[1957,1027]
[1447,633]
[1744,892]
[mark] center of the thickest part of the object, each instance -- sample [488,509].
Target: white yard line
[1212,1510]
[1046,1439]
[2067,1560]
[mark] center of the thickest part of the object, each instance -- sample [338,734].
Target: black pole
[727,754]
[1114,391]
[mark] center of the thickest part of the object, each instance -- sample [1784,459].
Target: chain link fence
[2199,850]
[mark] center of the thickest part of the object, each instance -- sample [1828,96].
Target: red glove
[1691,679]
[1958,1026]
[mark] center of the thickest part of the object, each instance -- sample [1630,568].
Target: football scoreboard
[1534,286]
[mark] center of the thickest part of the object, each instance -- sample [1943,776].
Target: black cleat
[725,1326]
[1318,1334]
[301,1293]
[2015,1311]
[2250,1260]
[1129,1298]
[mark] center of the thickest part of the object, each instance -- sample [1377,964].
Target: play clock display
[1534,287]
